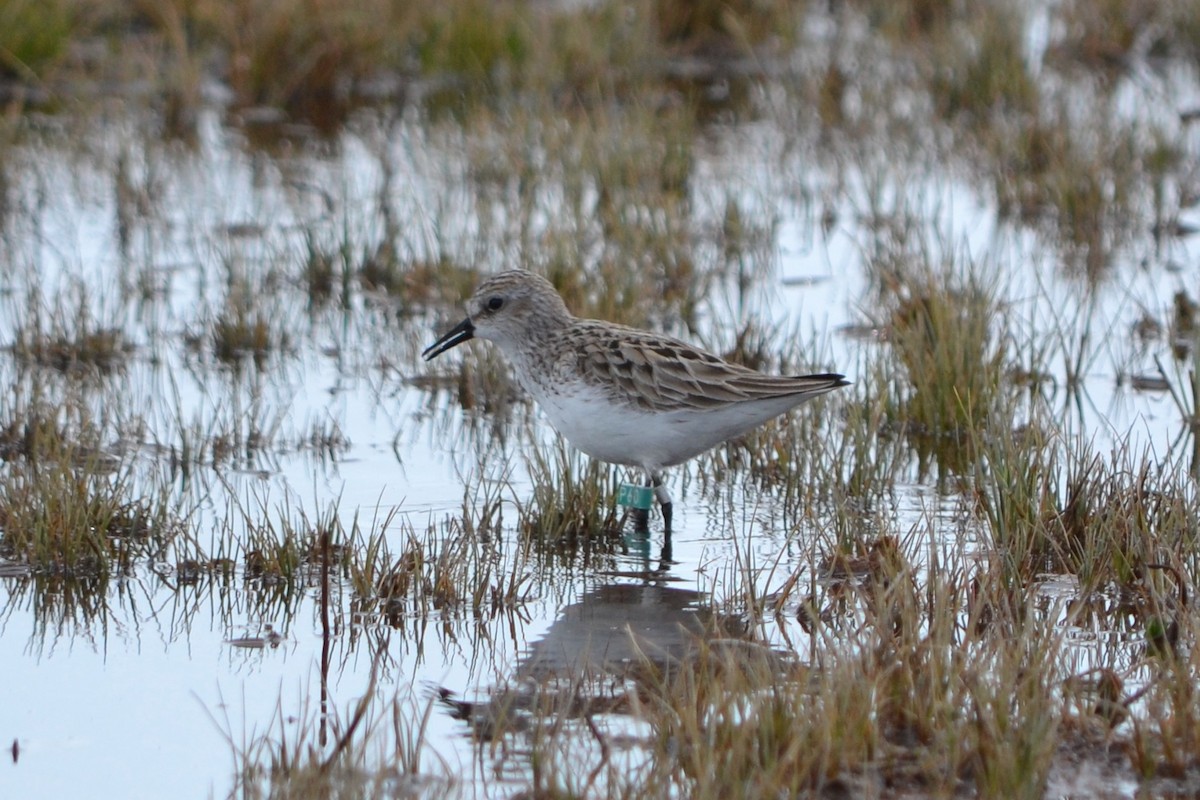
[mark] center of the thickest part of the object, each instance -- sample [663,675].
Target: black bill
[462,332]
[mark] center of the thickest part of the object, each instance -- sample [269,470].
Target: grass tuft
[34,37]
[305,57]
[244,330]
[942,328]
[65,518]
[985,75]
[900,694]
[573,511]
[720,27]
[371,749]
[71,340]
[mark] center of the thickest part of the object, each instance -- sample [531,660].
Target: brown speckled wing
[660,373]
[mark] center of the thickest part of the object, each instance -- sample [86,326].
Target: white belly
[652,440]
[612,433]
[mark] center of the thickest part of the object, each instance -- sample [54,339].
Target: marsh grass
[250,324]
[708,27]
[307,58]
[1051,507]
[57,603]
[1100,35]
[1015,488]
[483,44]
[482,385]
[573,510]
[372,748]
[374,265]
[943,327]
[102,350]
[915,20]
[1091,193]
[286,548]
[1163,743]
[1072,168]
[233,434]
[624,241]
[1120,517]
[1082,191]
[589,54]
[64,334]
[240,334]
[984,76]
[70,504]
[864,461]
[34,37]
[453,569]
[911,671]
[33,428]
[915,690]
[63,513]
[314,60]
[322,273]
[420,283]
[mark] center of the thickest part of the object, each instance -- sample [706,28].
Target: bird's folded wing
[655,372]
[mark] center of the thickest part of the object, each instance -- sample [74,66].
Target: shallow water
[150,689]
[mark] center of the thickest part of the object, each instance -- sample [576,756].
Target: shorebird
[620,394]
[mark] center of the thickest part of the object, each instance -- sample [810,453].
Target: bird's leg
[664,499]
[641,517]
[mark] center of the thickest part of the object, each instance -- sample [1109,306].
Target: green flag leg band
[635,496]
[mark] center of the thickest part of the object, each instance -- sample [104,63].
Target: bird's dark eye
[494,303]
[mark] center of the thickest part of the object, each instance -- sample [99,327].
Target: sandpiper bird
[619,394]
